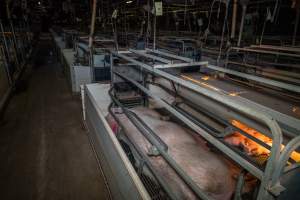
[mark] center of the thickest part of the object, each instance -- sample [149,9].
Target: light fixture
[128,2]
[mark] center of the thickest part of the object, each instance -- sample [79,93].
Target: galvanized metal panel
[120,174]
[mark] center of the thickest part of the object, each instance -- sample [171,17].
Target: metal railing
[265,176]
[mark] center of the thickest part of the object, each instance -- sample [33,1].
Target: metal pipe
[148,23]
[233,23]
[239,186]
[91,39]
[242,25]
[247,49]
[263,30]
[270,82]
[163,145]
[224,122]
[211,139]
[186,178]
[289,124]
[145,159]
[284,157]
[223,30]
[144,53]
[268,120]
[149,132]
[170,55]
[83,102]
[154,28]
[266,69]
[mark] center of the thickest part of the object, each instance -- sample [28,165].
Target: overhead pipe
[91,38]
[148,23]
[154,31]
[234,14]
[242,24]
[223,30]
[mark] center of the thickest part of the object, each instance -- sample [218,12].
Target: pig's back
[208,170]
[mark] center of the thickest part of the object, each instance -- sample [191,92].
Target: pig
[247,145]
[211,172]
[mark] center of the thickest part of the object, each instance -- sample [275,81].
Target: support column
[91,39]
[242,25]
[234,14]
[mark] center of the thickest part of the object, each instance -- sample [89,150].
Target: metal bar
[154,25]
[219,120]
[160,141]
[291,167]
[144,53]
[114,158]
[186,178]
[146,127]
[211,130]
[233,23]
[144,157]
[270,70]
[268,120]
[239,186]
[270,82]
[284,157]
[278,48]
[279,77]
[290,125]
[265,52]
[91,40]
[242,25]
[229,152]
[170,55]
[181,65]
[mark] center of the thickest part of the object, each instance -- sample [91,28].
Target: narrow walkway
[44,149]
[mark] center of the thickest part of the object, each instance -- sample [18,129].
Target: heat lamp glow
[251,147]
[200,82]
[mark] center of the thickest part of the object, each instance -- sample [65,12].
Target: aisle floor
[44,148]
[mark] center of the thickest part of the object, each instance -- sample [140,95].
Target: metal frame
[289,124]
[180,40]
[267,177]
[249,49]
[172,61]
[122,179]
[293,88]
[277,48]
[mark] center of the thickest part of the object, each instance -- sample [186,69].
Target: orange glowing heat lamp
[256,147]
[205,78]
[200,82]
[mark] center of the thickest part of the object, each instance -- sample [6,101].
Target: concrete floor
[44,148]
